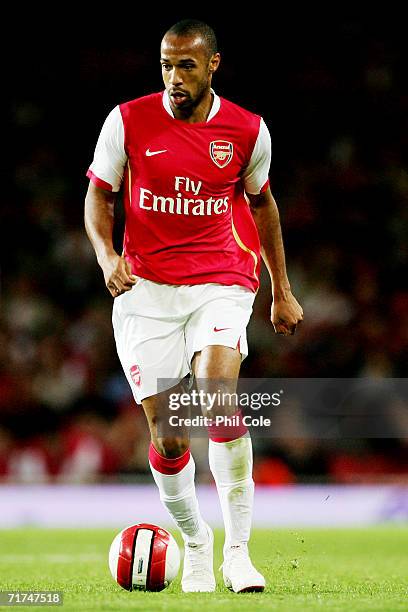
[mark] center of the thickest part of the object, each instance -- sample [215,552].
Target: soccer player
[199,214]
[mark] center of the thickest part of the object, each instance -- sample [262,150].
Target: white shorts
[158,328]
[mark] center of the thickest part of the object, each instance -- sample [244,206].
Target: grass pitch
[306,569]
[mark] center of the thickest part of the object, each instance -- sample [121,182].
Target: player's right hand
[118,275]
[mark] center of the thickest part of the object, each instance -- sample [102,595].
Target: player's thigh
[150,340]
[216,332]
[216,344]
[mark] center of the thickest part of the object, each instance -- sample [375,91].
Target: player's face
[187,70]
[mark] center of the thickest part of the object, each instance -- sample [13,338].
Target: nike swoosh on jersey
[150,153]
[221,329]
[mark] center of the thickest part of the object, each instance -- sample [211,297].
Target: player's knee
[172,447]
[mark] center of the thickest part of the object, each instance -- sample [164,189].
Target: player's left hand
[286,313]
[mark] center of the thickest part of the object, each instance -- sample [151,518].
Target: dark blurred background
[333,91]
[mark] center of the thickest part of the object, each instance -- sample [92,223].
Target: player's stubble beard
[188,107]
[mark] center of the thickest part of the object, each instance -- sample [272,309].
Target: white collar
[214,109]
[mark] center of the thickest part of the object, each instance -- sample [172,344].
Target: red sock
[225,432]
[164,465]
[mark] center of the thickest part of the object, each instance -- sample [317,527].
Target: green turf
[306,569]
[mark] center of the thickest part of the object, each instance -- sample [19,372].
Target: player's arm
[99,214]
[286,312]
[105,174]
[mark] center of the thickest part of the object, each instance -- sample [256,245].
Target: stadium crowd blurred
[339,122]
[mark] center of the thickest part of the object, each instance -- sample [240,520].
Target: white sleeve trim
[110,157]
[257,172]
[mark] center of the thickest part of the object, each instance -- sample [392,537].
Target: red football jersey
[187,216]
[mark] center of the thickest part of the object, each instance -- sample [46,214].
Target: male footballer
[193,168]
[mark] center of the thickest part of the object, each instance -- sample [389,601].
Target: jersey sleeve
[256,175]
[107,168]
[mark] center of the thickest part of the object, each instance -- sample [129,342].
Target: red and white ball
[144,557]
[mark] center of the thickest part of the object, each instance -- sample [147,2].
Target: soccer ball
[144,557]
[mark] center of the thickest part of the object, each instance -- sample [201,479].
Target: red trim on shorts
[164,465]
[98,182]
[227,433]
[265,187]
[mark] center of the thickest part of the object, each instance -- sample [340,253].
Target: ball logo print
[135,375]
[144,557]
[221,152]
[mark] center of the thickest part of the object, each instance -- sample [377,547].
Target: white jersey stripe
[110,157]
[257,172]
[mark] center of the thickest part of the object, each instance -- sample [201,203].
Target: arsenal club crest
[221,152]
[135,375]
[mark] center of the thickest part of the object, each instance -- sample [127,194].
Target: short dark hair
[194,27]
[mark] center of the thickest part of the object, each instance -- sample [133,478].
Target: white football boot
[198,572]
[239,574]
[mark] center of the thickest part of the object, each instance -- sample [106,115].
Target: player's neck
[200,112]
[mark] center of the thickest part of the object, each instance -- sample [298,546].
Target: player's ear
[214,62]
